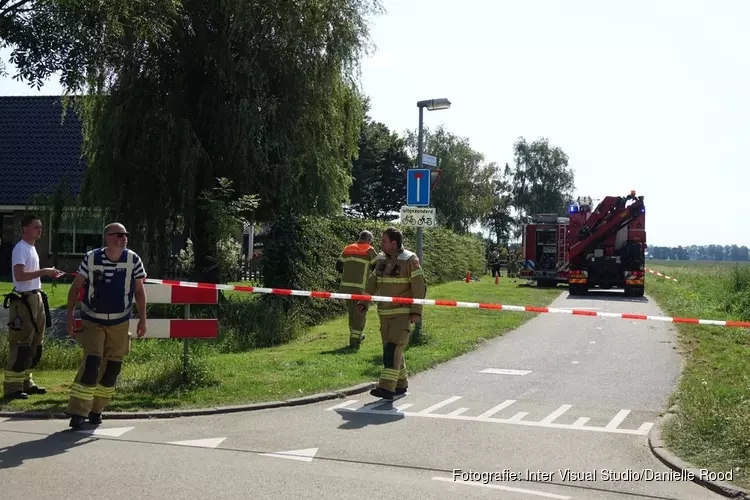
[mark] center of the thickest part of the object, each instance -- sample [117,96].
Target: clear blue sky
[650,96]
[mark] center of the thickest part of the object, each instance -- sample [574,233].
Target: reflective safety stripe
[82,392]
[389,374]
[90,265]
[11,376]
[353,285]
[90,312]
[393,280]
[395,311]
[104,392]
[128,278]
[355,259]
[418,272]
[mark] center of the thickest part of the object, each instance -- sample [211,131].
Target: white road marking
[344,404]
[457,412]
[517,419]
[439,405]
[645,427]
[504,488]
[111,432]
[617,420]
[403,407]
[575,362]
[592,342]
[552,416]
[305,455]
[200,443]
[496,409]
[505,371]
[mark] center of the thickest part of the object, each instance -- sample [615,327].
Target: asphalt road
[560,393]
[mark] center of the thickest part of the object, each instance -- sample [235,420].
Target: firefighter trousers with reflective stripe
[357,320]
[104,348]
[24,341]
[394,331]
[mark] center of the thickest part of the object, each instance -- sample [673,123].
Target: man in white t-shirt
[28,313]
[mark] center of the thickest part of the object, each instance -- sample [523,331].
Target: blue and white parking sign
[418,187]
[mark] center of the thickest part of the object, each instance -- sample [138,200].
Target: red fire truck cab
[544,250]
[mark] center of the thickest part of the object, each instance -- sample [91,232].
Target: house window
[79,233]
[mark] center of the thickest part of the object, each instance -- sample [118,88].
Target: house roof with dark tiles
[38,148]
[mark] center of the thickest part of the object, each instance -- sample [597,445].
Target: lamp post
[431,105]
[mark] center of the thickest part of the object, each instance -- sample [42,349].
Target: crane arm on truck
[610,216]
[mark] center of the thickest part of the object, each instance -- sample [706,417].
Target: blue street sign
[418,182]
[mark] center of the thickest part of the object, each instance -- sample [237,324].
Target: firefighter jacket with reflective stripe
[399,276]
[355,264]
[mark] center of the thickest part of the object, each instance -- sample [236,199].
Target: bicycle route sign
[418,216]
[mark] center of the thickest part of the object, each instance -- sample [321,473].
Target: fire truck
[607,244]
[544,250]
[602,247]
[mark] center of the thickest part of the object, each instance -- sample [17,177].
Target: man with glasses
[28,314]
[111,277]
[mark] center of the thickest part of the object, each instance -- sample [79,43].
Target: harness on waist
[13,295]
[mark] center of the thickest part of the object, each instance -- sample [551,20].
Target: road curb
[659,449]
[192,412]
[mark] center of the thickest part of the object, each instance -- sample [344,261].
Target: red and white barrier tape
[660,274]
[444,303]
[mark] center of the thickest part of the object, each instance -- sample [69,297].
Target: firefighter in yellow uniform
[397,274]
[355,264]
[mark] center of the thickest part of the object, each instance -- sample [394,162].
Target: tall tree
[238,90]
[542,179]
[464,193]
[378,189]
[500,219]
[77,39]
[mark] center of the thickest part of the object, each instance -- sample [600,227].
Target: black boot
[401,390]
[95,418]
[16,395]
[77,421]
[379,392]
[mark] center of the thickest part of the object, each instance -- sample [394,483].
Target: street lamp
[431,105]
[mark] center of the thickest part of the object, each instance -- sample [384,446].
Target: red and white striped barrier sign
[444,303]
[177,328]
[660,274]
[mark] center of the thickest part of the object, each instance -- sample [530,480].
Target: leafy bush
[300,253]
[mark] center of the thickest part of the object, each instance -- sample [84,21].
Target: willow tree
[260,92]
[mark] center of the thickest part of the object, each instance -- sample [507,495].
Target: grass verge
[712,424]
[315,362]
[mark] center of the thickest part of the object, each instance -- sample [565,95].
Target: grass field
[712,424]
[317,361]
[57,294]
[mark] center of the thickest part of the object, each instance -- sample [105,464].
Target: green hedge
[300,253]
